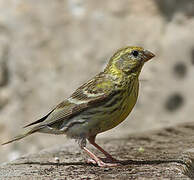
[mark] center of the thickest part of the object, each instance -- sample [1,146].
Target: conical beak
[147,55]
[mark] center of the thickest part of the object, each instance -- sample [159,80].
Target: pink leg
[98,160]
[109,157]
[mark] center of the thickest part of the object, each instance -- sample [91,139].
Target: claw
[91,161]
[101,163]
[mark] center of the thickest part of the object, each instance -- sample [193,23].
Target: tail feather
[21,136]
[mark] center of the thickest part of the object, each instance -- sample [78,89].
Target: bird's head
[128,61]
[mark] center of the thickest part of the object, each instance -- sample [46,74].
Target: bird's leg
[108,156]
[97,160]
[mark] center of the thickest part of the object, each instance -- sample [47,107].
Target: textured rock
[48,49]
[163,154]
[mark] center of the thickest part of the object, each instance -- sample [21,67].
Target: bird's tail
[22,135]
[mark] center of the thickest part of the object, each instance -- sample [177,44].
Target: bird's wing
[89,94]
[39,120]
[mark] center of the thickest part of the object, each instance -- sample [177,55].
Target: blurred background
[49,48]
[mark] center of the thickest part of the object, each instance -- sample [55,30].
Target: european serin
[98,105]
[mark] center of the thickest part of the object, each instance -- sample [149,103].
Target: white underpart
[49,127]
[63,128]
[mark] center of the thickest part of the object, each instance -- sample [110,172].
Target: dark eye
[135,53]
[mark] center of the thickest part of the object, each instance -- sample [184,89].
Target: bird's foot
[106,162]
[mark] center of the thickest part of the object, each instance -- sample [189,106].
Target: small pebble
[57,159]
[106,169]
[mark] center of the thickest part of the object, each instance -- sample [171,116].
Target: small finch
[98,105]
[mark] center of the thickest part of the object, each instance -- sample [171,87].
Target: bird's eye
[135,53]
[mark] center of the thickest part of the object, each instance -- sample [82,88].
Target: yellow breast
[125,105]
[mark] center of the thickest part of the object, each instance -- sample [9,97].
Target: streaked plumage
[98,105]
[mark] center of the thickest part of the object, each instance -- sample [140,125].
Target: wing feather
[39,120]
[86,96]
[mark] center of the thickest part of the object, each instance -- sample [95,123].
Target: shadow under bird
[98,105]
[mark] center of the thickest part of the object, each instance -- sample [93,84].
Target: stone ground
[163,154]
[49,49]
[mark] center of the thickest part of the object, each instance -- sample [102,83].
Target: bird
[98,105]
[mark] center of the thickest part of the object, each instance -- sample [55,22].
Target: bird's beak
[147,55]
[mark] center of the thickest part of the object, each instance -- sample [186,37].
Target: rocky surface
[163,154]
[49,49]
